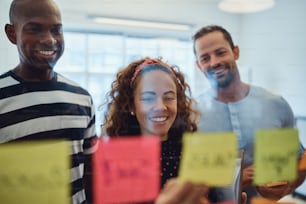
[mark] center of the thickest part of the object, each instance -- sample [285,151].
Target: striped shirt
[55,109]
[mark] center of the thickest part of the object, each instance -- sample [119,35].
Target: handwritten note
[275,155]
[127,169]
[209,158]
[35,172]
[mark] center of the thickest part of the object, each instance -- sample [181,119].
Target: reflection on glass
[74,57]
[104,53]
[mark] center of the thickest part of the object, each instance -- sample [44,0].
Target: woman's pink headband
[147,62]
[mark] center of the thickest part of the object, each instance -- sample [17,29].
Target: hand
[278,191]
[244,198]
[247,176]
[275,192]
[176,192]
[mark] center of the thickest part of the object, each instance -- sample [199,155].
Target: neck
[164,137]
[33,74]
[233,93]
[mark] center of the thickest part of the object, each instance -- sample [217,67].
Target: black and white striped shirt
[55,109]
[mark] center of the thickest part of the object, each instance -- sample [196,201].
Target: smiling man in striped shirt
[36,103]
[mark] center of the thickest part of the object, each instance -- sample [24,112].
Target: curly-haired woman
[151,97]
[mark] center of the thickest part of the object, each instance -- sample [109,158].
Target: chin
[164,138]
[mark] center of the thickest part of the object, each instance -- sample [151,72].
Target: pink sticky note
[126,169]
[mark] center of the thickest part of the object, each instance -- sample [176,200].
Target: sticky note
[275,155]
[302,162]
[209,158]
[126,169]
[35,172]
[257,200]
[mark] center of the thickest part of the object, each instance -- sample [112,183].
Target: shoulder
[206,95]
[71,84]
[267,97]
[5,75]
[7,80]
[256,91]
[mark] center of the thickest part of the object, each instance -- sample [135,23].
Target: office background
[272,43]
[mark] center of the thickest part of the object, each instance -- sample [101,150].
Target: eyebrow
[42,24]
[154,93]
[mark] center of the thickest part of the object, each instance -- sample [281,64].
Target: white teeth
[159,119]
[218,71]
[46,52]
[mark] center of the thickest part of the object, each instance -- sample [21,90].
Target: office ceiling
[192,12]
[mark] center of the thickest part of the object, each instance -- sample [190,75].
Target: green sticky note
[209,158]
[275,155]
[35,172]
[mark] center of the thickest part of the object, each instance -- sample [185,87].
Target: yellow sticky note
[275,155]
[209,158]
[35,172]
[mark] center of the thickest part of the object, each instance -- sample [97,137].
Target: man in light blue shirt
[232,105]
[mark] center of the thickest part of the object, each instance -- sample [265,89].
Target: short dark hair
[12,12]
[209,29]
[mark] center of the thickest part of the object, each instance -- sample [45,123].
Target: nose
[214,61]
[160,105]
[48,39]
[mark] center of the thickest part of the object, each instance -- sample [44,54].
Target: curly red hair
[119,121]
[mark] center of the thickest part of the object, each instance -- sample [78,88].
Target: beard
[224,80]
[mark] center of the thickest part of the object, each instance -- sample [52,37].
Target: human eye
[221,52]
[33,29]
[204,58]
[58,30]
[170,97]
[147,99]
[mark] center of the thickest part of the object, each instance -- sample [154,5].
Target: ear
[10,33]
[198,64]
[236,52]
[132,112]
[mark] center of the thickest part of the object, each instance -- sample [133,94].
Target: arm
[88,178]
[176,192]
[279,191]
[247,176]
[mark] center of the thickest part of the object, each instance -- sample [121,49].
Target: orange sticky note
[302,162]
[266,201]
[126,169]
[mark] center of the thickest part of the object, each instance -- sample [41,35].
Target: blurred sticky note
[35,172]
[257,200]
[275,155]
[209,158]
[127,169]
[302,162]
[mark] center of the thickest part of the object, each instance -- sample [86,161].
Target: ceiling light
[245,6]
[140,23]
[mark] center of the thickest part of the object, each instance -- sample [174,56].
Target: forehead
[27,10]
[155,81]
[213,40]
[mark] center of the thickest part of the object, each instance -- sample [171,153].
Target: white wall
[8,52]
[273,47]
[272,44]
